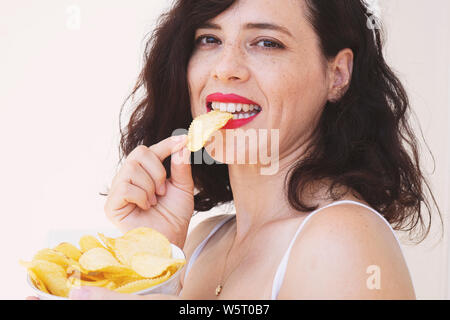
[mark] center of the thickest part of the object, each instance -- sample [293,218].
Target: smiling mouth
[239,110]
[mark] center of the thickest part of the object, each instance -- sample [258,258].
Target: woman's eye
[210,40]
[269,44]
[205,40]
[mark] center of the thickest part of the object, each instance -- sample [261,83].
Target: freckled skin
[292,83]
[289,83]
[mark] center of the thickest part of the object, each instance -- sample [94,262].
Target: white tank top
[281,270]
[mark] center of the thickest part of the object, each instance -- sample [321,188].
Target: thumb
[97,293]
[180,170]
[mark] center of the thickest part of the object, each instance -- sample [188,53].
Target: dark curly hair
[362,142]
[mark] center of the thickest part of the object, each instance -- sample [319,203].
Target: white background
[61,89]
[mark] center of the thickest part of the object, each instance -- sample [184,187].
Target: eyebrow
[249,26]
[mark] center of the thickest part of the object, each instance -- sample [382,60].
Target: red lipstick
[231,98]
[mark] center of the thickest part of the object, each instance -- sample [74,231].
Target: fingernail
[81,293]
[180,138]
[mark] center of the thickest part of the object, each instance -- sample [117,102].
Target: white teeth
[236,107]
[243,115]
[231,108]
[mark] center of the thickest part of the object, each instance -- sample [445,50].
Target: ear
[340,71]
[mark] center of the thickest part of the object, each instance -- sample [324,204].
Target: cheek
[296,99]
[196,78]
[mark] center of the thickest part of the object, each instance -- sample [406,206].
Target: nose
[231,65]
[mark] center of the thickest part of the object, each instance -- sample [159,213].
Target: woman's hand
[141,196]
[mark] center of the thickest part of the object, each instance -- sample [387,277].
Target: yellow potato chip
[75,281]
[59,258]
[143,284]
[85,275]
[109,243]
[69,250]
[150,266]
[89,242]
[38,283]
[111,285]
[53,256]
[92,276]
[139,240]
[52,275]
[204,126]
[97,259]
[111,265]
[121,279]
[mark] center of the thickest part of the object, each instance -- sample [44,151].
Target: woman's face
[267,52]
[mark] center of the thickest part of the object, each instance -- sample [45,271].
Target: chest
[250,276]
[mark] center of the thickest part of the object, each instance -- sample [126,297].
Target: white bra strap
[200,247]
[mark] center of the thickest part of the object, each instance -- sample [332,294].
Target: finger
[32,298]
[166,147]
[180,168]
[134,173]
[153,167]
[125,193]
[97,293]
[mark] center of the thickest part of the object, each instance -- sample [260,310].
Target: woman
[318,228]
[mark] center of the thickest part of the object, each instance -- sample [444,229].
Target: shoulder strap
[281,270]
[200,247]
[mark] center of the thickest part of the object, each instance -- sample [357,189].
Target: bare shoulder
[346,252]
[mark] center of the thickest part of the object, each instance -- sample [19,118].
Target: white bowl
[170,286]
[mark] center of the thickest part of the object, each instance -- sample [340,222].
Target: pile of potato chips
[138,260]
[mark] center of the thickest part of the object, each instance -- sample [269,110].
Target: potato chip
[143,284]
[85,275]
[69,250]
[52,275]
[122,278]
[38,283]
[110,265]
[53,256]
[204,126]
[109,243]
[89,242]
[150,266]
[75,281]
[139,240]
[97,259]
[68,264]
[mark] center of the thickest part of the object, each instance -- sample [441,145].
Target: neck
[259,199]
